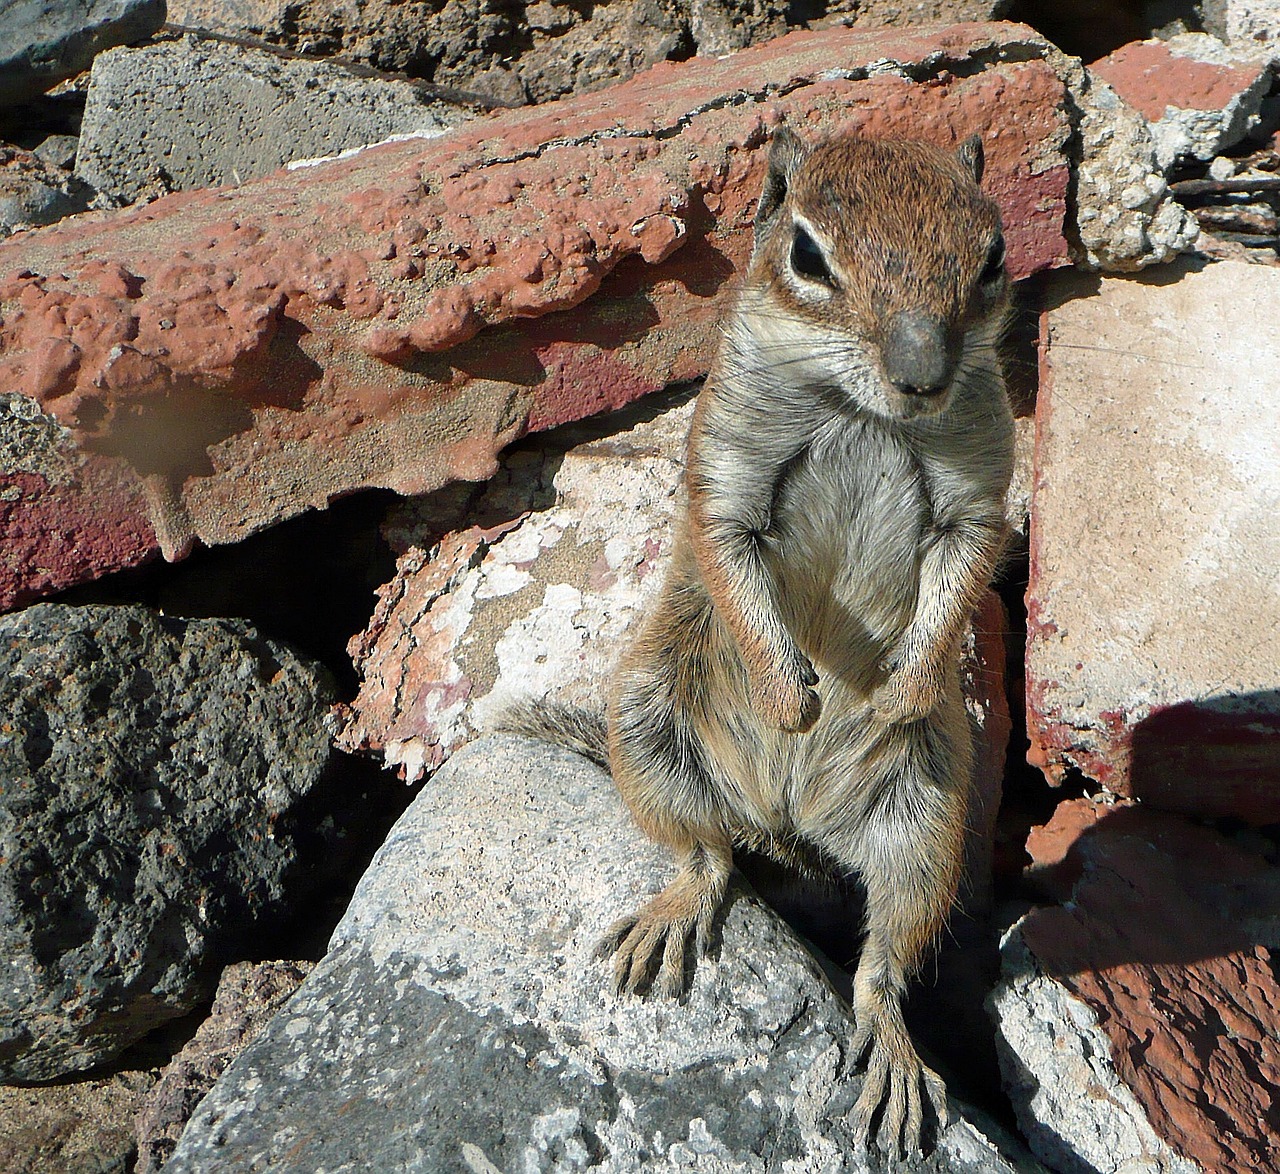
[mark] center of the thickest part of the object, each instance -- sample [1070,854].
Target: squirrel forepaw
[787,699]
[905,697]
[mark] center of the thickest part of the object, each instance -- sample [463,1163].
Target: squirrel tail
[576,729]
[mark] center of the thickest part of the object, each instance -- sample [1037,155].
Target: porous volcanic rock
[1138,1019]
[528,586]
[46,41]
[1153,611]
[154,779]
[248,995]
[459,1021]
[1198,96]
[196,113]
[394,319]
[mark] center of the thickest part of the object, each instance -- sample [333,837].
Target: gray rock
[1072,1105]
[196,113]
[34,191]
[59,151]
[46,41]
[459,1022]
[248,995]
[153,773]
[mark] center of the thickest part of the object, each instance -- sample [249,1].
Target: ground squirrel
[796,689]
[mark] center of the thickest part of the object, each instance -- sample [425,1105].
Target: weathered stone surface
[525,586]
[1153,604]
[1125,218]
[84,1127]
[48,40]
[1198,96]
[460,1023]
[917,12]
[66,516]
[244,355]
[1245,24]
[248,995]
[196,113]
[1059,1071]
[34,192]
[153,780]
[1139,1018]
[528,587]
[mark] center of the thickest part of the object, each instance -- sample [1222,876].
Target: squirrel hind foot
[897,1087]
[650,948]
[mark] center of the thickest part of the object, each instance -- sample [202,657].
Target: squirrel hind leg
[907,849]
[650,948]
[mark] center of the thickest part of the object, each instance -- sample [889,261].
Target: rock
[248,995]
[160,785]
[1138,1020]
[528,51]
[59,150]
[1245,24]
[1125,218]
[870,13]
[49,40]
[235,357]
[524,586]
[84,1127]
[65,516]
[1153,626]
[459,1021]
[34,192]
[196,113]
[528,586]
[1198,96]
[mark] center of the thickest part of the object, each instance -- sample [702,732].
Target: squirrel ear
[970,154]
[786,154]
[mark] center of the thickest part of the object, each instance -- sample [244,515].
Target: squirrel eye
[807,259]
[993,270]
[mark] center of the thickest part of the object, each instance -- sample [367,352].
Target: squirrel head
[879,266]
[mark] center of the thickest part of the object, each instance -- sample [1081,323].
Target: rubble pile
[346,357]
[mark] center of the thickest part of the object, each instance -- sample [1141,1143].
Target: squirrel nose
[915,355]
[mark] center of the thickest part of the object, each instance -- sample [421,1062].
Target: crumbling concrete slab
[1247,24]
[196,113]
[1153,660]
[1199,96]
[238,356]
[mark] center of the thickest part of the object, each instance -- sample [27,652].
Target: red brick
[395,318]
[1157,935]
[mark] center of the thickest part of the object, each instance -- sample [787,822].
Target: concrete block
[196,113]
[1199,96]
[1153,660]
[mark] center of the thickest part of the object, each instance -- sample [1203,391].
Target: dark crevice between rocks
[309,582]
